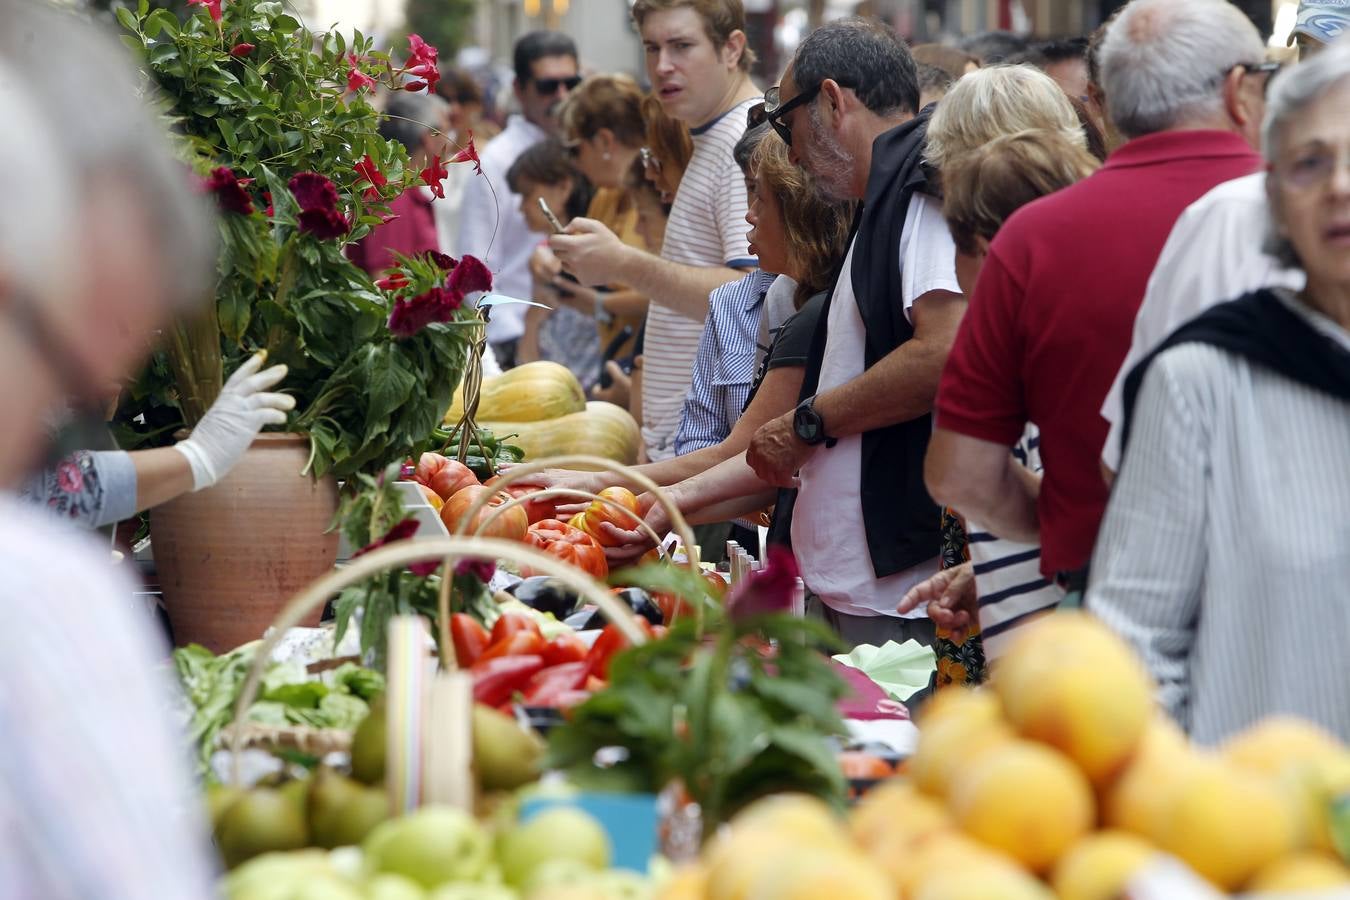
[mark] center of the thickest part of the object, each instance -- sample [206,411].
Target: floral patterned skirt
[960,655]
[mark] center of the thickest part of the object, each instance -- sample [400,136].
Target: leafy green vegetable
[357,681]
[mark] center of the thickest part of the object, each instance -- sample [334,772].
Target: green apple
[260,821]
[433,846]
[561,833]
[388,886]
[473,892]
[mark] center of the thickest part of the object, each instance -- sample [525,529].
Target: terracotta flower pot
[230,556]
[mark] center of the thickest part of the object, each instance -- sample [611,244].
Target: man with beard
[865,529]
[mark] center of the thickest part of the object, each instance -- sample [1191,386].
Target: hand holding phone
[548,214]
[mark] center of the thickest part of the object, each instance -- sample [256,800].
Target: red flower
[323,223]
[402,531]
[469,154]
[229,191]
[482,569]
[242,49]
[267,195]
[212,6]
[469,276]
[392,282]
[422,62]
[69,478]
[356,79]
[314,192]
[433,175]
[366,169]
[411,315]
[415,86]
[442,260]
[769,590]
[420,50]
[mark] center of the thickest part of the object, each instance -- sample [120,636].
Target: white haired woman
[1225,550]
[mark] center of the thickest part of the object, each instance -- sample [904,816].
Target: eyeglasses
[650,161]
[1269,69]
[775,109]
[548,86]
[755,116]
[1312,168]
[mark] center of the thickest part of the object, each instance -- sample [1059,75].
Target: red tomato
[495,680]
[571,545]
[535,510]
[511,524]
[469,637]
[564,648]
[610,642]
[521,643]
[443,475]
[613,512]
[512,623]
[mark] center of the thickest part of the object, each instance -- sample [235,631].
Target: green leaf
[285,25]
[305,695]
[227,131]
[162,20]
[126,19]
[142,7]
[162,53]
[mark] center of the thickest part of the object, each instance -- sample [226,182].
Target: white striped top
[707,228]
[1224,556]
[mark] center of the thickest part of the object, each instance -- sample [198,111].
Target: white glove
[234,420]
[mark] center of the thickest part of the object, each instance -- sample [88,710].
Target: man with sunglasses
[864,528]
[492,226]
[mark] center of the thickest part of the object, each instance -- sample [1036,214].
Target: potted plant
[278,124]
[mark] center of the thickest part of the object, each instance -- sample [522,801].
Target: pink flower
[433,175]
[469,276]
[411,315]
[356,80]
[69,478]
[242,49]
[366,169]
[212,7]
[422,62]
[469,154]
[229,190]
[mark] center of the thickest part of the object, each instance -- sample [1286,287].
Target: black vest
[903,523]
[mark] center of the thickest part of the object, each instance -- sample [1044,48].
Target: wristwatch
[809,426]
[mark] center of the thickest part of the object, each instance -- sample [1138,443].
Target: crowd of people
[978,332]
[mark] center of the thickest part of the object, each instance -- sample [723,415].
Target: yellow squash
[529,393]
[602,429]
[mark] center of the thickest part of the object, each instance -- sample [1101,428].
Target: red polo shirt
[1050,320]
[410,232]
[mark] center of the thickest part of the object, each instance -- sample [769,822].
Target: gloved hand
[234,420]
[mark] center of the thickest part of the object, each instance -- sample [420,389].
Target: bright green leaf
[127,19]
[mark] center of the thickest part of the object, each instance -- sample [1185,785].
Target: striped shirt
[1008,580]
[95,798]
[725,366]
[706,228]
[1225,549]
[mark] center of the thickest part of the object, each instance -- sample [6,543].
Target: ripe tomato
[571,545]
[564,648]
[535,510]
[443,475]
[511,524]
[613,512]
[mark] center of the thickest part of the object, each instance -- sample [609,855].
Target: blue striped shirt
[724,368]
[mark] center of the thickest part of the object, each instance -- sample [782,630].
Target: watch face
[807,425]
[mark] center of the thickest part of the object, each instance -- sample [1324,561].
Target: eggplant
[546,594]
[638,600]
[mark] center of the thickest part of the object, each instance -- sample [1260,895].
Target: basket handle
[398,555]
[567,492]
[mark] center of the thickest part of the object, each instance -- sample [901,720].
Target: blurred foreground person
[101,238]
[1224,553]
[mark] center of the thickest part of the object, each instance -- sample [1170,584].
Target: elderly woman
[1225,549]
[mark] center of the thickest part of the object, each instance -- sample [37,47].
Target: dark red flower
[411,315]
[366,169]
[401,531]
[769,590]
[392,282]
[415,86]
[242,49]
[267,195]
[212,7]
[469,154]
[469,276]
[314,192]
[229,190]
[323,223]
[444,261]
[356,79]
[482,569]
[433,175]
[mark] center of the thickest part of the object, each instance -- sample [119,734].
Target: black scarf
[903,523]
[1260,328]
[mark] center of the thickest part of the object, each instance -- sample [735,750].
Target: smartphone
[548,214]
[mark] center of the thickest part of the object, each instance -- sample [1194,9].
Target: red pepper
[610,642]
[547,685]
[469,637]
[510,623]
[522,643]
[496,680]
[564,648]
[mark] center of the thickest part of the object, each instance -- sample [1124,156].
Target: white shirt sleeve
[927,252]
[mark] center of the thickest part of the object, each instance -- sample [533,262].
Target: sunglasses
[548,86]
[775,109]
[755,116]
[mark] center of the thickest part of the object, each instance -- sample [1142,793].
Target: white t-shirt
[1214,254]
[707,228]
[828,534]
[489,204]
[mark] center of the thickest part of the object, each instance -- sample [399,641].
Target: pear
[297,792]
[341,811]
[220,797]
[260,821]
[368,745]
[505,755]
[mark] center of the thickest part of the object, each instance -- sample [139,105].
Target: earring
[606,157]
